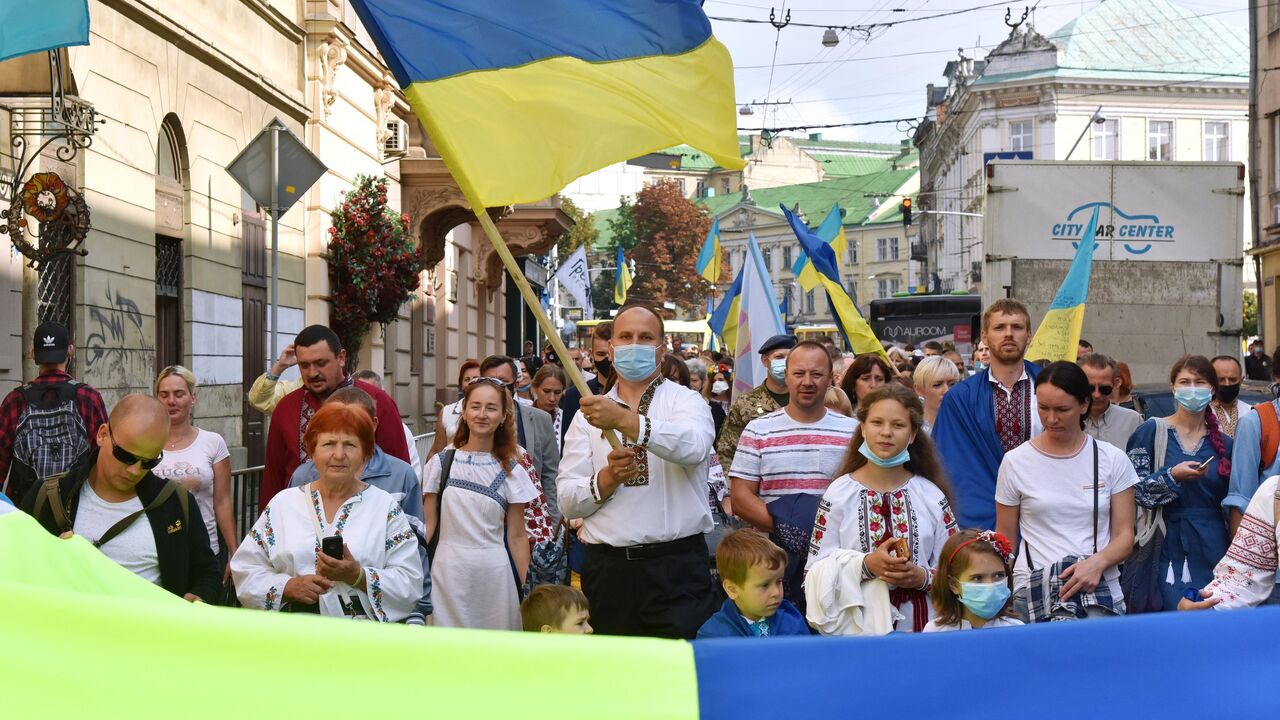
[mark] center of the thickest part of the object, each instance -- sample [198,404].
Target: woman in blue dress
[1177,486]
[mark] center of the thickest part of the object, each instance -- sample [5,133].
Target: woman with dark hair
[1070,499]
[890,502]
[281,564]
[482,555]
[1184,465]
[866,373]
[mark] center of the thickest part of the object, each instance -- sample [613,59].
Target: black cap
[778,342]
[50,343]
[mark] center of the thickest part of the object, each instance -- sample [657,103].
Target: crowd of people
[905,491]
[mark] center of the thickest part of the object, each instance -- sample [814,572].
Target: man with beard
[989,414]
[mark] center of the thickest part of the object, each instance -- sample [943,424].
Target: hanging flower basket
[374,265]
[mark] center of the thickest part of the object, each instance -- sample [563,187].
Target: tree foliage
[1250,307]
[583,232]
[663,233]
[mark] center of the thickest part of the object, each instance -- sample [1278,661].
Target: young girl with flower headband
[973,588]
[889,504]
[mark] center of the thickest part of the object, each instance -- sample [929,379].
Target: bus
[914,319]
[682,332]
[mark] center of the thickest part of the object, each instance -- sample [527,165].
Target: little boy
[751,569]
[556,609]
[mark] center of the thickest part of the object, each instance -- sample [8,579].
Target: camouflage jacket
[747,407]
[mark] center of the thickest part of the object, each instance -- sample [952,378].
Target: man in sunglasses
[148,526]
[1107,421]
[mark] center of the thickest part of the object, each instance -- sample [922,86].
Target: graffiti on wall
[116,335]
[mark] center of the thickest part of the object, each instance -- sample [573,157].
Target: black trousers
[661,590]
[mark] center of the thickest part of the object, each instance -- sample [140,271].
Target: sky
[882,78]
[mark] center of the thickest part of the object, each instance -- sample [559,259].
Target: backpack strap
[49,493]
[1095,497]
[1270,433]
[446,464]
[123,523]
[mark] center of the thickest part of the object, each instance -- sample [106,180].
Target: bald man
[149,526]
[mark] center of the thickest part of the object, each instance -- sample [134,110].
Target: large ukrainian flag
[523,96]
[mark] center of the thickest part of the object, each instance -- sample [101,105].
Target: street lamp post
[1096,119]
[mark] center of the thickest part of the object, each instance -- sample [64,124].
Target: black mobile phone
[332,546]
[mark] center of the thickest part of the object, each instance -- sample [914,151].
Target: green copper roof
[1144,40]
[816,199]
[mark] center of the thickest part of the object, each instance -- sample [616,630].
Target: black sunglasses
[1103,389]
[127,458]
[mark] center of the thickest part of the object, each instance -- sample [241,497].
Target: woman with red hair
[481,557]
[290,560]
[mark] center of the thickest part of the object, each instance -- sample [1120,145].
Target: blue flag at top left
[25,29]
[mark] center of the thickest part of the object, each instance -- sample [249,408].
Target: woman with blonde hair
[197,459]
[932,378]
[481,555]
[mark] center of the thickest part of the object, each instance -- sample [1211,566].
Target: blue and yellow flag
[621,278]
[35,27]
[522,97]
[724,319]
[709,258]
[855,329]
[1058,336]
[831,231]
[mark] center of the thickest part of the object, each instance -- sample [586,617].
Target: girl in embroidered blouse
[973,589]
[891,490]
[481,516]
[280,566]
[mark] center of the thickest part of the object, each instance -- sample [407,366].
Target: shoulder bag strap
[50,493]
[123,523]
[1161,444]
[1095,497]
[446,464]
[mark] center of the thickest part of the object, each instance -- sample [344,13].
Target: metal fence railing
[246,482]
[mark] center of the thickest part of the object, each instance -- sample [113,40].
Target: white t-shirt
[192,468]
[1055,500]
[785,456]
[134,549]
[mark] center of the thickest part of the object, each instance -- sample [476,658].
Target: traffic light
[906,212]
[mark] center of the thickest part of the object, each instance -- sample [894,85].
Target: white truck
[1168,269]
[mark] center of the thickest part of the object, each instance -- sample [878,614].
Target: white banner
[575,278]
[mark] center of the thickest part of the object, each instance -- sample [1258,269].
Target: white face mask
[719,386]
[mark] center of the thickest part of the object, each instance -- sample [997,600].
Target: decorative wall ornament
[333,55]
[383,97]
[46,218]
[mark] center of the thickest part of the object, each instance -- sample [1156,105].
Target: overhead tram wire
[951,50]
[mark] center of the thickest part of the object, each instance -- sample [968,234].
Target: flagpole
[530,299]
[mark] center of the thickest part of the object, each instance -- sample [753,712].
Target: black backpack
[51,436]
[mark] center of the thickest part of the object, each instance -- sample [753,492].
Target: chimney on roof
[815,136]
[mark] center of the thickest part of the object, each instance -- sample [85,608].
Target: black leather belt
[652,550]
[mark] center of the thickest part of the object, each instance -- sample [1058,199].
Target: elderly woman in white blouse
[282,565]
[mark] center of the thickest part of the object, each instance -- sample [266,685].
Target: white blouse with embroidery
[1246,576]
[284,541]
[851,517]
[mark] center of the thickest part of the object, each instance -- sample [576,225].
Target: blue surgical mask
[985,600]
[524,388]
[778,369]
[979,366]
[1194,399]
[635,362]
[893,462]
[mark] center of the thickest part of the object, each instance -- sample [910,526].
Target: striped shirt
[787,457]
